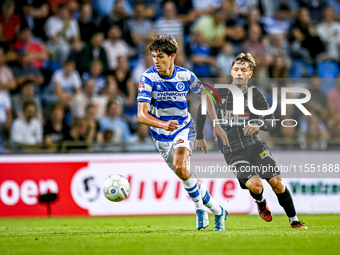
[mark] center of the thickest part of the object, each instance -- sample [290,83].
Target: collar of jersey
[245,90]
[170,77]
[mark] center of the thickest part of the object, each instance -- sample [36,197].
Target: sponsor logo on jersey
[179,141]
[180,86]
[264,153]
[141,85]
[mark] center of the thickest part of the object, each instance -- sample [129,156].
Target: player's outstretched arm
[200,121]
[145,118]
[218,131]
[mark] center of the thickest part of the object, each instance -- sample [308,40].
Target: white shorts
[185,138]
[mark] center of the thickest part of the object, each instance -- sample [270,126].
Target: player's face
[241,73]
[162,61]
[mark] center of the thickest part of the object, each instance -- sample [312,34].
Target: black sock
[286,201]
[259,197]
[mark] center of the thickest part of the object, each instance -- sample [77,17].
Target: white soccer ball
[116,188]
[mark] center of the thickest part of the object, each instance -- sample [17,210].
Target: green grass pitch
[245,234]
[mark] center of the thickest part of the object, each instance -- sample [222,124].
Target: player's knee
[277,185]
[254,185]
[181,171]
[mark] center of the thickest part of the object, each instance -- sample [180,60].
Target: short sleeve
[196,85]
[77,80]
[144,90]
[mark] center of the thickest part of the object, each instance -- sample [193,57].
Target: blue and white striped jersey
[166,96]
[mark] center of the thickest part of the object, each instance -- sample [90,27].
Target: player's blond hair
[243,57]
[164,43]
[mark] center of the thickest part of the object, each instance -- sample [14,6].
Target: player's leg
[270,172]
[219,212]
[181,168]
[286,201]
[248,179]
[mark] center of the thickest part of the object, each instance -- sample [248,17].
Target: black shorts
[253,160]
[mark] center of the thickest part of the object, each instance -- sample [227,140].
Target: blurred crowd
[69,69]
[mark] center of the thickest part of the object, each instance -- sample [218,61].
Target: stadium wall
[155,190]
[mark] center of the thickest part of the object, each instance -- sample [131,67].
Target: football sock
[261,200]
[292,219]
[286,201]
[209,201]
[191,186]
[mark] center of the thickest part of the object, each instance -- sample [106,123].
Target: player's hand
[250,130]
[170,125]
[218,131]
[201,144]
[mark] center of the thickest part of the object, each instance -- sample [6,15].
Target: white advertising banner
[155,189]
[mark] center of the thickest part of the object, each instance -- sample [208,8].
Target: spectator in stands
[329,33]
[65,84]
[303,35]
[318,101]
[63,34]
[278,69]
[266,8]
[122,75]
[93,127]
[142,135]
[5,114]
[140,27]
[278,24]
[186,13]
[205,7]
[77,135]
[235,32]
[212,27]
[10,23]
[36,13]
[7,81]
[115,46]
[56,130]
[141,66]
[86,97]
[279,46]
[224,60]
[119,18]
[113,121]
[200,55]
[254,44]
[333,98]
[314,133]
[254,18]
[27,130]
[334,128]
[169,23]
[86,27]
[96,73]
[93,51]
[315,8]
[26,72]
[335,5]
[26,94]
[104,7]
[36,53]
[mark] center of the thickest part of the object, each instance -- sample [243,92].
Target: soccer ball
[116,188]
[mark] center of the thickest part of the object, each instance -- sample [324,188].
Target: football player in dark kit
[245,148]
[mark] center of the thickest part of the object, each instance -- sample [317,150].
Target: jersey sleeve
[145,89]
[196,85]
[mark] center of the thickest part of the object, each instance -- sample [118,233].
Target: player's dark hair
[29,103]
[164,43]
[242,57]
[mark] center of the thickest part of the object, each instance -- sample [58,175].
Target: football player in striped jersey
[162,105]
